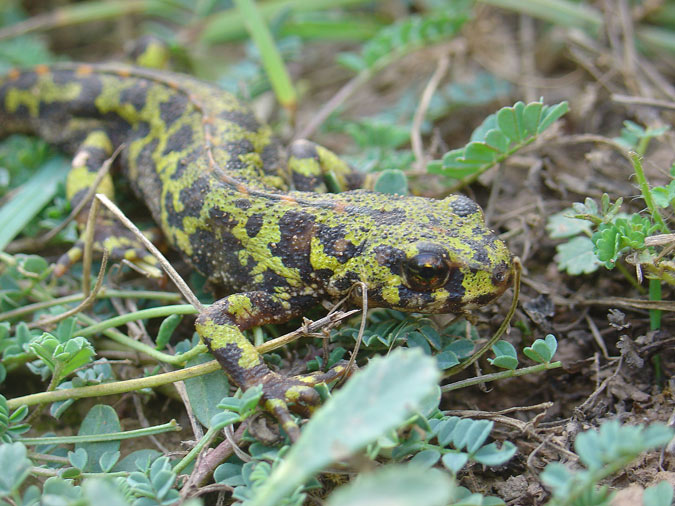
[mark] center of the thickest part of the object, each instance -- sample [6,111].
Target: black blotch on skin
[305,183]
[144,158]
[413,299]
[24,82]
[191,199]
[179,140]
[141,129]
[254,224]
[297,229]
[135,95]
[454,285]
[235,149]
[273,280]
[245,120]
[390,257]
[84,105]
[393,217]
[216,253]
[228,357]
[335,244]
[172,109]
[62,76]
[272,156]
[347,281]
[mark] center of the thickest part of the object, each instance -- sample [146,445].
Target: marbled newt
[248,215]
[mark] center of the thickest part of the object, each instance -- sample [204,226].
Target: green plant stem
[171,426]
[517,269]
[646,192]
[104,293]
[229,25]
[44,471]
[654,284]
[206,439]
[272,61]
[655,294]
[118,387]
[154,312]
[500,375]
[106,328]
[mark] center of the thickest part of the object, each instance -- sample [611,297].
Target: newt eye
[425,271]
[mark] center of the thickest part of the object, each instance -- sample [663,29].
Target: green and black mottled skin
[249,216]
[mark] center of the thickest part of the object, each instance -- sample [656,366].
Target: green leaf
[460,436]
[102,493]
[166,330]
[499,136]
[446,360]
[392,181]
[445,430]
[250,399]
[37,265]
[497,140]
[454,462]
[59,491]
[478,152]
[78,458]
[15,465]
[589,451]
[508,124]
[62,358]
[223,419]
[658,495]
[108,460]
[73,354]
[478,433]
[463,348]
[384,393]
[426,458]
[656,435]
[396,485]
[405,36]
[552,114]
[206,391]
[29,200]
[130,462]
[557,477]
[561,225]
[490,455]
[577,256]
[542,351]
[531,116]
[229,474]
[101,419]
[505,355]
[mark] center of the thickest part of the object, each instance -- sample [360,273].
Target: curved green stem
[500,375]
[171,426]
[118,387]
[77,297]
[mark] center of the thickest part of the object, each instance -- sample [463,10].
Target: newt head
[424,255]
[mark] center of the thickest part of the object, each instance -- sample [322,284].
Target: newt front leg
[221,326]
